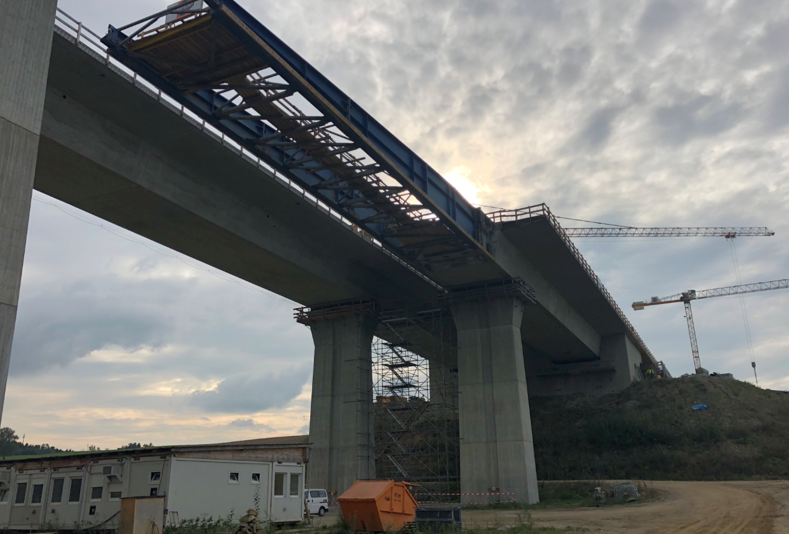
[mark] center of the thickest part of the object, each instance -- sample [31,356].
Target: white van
[317,501]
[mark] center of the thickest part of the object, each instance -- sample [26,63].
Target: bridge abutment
[341,412]
[26,44]
[496,448]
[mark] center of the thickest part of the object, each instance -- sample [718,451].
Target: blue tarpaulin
[700,407]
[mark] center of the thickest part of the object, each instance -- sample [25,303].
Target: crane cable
[743,308]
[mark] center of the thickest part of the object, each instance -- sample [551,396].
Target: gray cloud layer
[665,113]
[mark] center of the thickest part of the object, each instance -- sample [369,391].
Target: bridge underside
[520,311]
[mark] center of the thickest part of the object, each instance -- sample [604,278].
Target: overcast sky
[631,112]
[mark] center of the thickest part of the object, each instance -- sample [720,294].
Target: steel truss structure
[686,297]
[703,231]
[231,71]
[693,294]
[415,386]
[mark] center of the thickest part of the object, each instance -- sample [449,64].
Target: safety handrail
[542,210]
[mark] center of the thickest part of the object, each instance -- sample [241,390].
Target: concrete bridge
[529,315]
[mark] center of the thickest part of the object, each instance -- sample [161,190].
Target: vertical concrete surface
[443,382]
[25,45]
[496,448]
[341,413]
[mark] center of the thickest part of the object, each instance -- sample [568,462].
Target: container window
[21,493]
[74,490]
[57,490]
[279,484]
[95,493]
[38,492]
[115,495]
[256,478]
[294,484]
[234,478]
[3,495]
[155,478]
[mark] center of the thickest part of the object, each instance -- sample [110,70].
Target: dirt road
[684,507]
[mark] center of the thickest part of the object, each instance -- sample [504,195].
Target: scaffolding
[415,411]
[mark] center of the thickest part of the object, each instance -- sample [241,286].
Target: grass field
[650,432]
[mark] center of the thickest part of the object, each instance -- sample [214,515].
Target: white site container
[224,487]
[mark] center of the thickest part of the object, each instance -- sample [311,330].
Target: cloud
[244,393]
[597,129]
[64,323]
[691,116]
[659,17]
[634,112]
[250,424]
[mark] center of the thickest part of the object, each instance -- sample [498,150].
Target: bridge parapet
[542,212]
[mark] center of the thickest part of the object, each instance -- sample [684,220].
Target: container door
[287,504]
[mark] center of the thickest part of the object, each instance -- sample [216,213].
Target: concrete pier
[341,413]
[25,41]
[496,448]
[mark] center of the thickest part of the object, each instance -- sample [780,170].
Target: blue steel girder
[340,152]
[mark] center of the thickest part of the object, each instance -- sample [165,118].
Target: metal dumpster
[377,505]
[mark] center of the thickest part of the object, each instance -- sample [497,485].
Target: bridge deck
[230,70]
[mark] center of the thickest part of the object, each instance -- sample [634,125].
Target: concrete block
[26,43]
[7,322]
[18,149]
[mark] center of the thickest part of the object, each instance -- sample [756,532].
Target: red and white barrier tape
[453,494]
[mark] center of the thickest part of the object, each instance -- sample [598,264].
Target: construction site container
[377,505]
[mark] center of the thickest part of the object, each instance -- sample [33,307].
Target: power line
[745,322]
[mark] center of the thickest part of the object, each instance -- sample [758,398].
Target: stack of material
[626,491]
[249,524]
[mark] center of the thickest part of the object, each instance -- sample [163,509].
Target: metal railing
[90,42]
[541,210]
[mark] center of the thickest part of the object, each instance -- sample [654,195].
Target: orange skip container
[377,505]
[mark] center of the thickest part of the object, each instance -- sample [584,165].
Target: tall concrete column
[25,45]
[496,449]
[341,413]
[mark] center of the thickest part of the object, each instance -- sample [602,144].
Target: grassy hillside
[649,431]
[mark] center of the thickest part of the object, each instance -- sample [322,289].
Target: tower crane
[728,232]
[687,296]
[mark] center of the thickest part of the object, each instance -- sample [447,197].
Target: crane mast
[694,344]
[698,231]
[687,296]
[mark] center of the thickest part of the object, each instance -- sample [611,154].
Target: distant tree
[11,446]
[8,441]
[134,445]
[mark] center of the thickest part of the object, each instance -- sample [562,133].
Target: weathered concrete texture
[496,449]
[553,326]
[7,321]
[25,45]
[174,184]
[18,148]
[443,383]
[616,370]
[341,413]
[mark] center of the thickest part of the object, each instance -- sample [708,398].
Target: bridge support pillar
[26,43]
[496,449]
[341,412]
